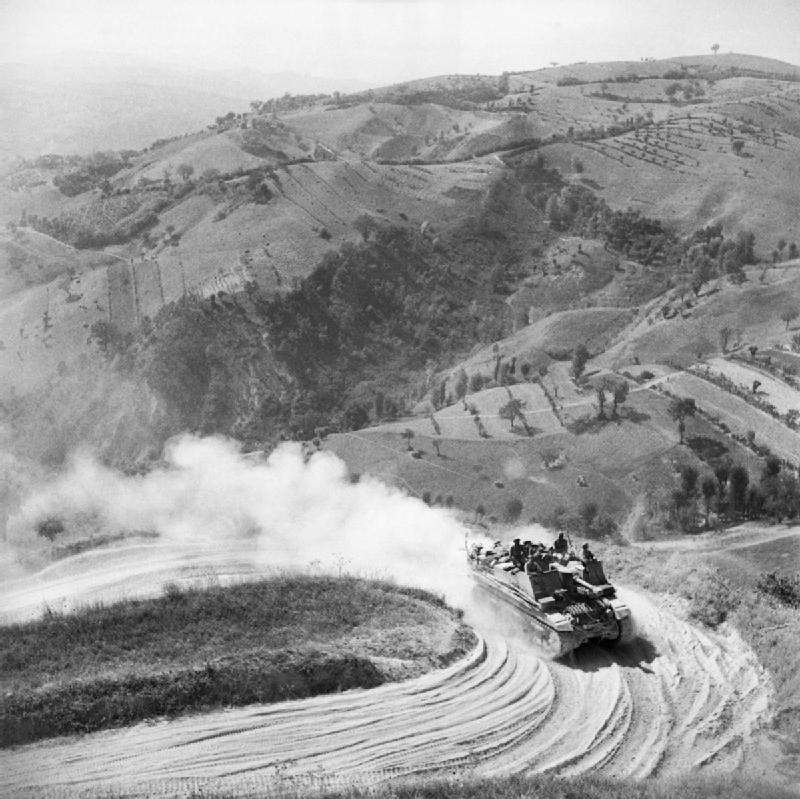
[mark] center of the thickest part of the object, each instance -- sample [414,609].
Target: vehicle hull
[566,626]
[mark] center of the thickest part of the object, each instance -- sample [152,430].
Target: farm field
[774,391]
[456,421]
[737,414]
[652,172]
[610,464]
[750,312]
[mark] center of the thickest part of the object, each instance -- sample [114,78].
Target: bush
[476,382]
[710,604]
[785,590]
[50,527]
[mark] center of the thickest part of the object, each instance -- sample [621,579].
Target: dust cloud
[287,510]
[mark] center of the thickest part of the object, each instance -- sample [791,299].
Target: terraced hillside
[259,198]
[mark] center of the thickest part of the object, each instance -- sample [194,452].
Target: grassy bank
[535,786]
[277,639]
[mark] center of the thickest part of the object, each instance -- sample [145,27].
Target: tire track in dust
[678,698]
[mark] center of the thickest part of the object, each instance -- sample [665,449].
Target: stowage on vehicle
[567,596]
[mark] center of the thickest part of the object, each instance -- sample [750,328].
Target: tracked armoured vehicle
[568,601]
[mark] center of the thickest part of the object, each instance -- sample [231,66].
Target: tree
[408,435]
[355,416]
[789,314]
[107,336]
[739,481]
[714,48]
[679,409]
[437,442]
[620,395]
[460,387]
[600,388]
[702,273]
[737,146]
[722,473]
[709,490]
[792,251]
[364,224]
[608,384]
[510,411]
[772,467]
[185,171]
[724,337]
[580,357]
[689,480]
[50,527]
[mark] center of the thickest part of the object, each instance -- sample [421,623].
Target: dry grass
[525,787]
[196,649]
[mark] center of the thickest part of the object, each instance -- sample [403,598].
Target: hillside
[566,299]
[510,188]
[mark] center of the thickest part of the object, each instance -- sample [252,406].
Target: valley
[344,333]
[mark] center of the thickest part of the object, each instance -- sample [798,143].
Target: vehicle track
[677,699]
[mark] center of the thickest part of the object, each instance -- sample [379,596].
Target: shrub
[50,527]
[476,382]
[785,590]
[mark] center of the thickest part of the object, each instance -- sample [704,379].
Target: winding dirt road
[676,700]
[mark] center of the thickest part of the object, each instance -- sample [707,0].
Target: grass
[530,787]
[198,649]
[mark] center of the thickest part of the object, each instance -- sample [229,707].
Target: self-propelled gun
[568,599]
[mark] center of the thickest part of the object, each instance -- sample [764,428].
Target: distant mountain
[81,101]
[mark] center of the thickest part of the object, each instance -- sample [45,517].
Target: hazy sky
[388,40]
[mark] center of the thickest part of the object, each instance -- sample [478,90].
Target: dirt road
[678,699]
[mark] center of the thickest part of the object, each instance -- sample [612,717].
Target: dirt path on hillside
[741,537]
[676,700]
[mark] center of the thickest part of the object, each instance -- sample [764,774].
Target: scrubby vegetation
[785,590]
[359,330]
[104,220]
[195,649]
